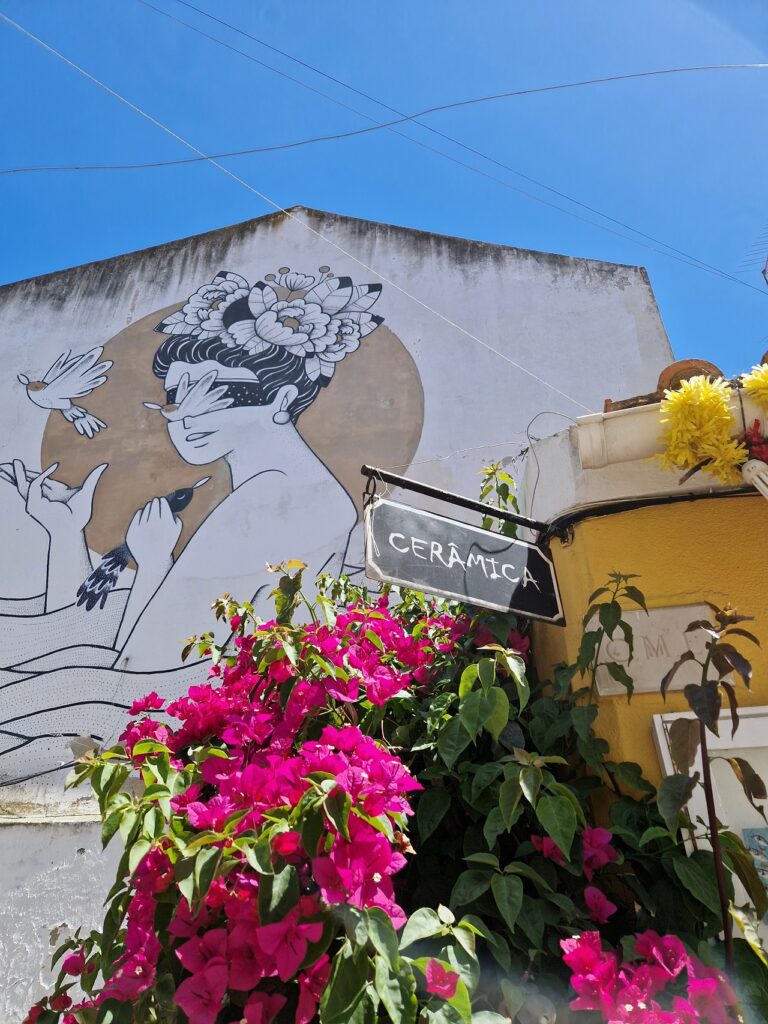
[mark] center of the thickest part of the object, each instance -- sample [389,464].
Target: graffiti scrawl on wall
[237,366]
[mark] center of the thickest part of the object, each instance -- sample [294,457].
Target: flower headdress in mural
[319,317]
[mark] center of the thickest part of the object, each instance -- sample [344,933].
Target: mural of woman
[239,365]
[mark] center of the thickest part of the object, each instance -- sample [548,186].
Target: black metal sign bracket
[373,474]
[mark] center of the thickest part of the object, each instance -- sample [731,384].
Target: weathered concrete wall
[54,878]
[403,388]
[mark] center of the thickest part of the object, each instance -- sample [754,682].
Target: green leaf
[558,817]
[461,1002]
[397,991]
[508,894]
[684,743]
[530,783]
[345,985]
[620,674]
[558,789]
[510,795]
[743,865]
[673,794]
[138,851]
[737,661]
[705,702]
[382,934]
[431,809]
[483,858]
[670,675]
[587,648]
[514,997]
[631,774]
[699,882]
[469,885]
[654,832]
[582,718]
[750,781]
[485,775]
[499,716]
[422,924]
[206,863]
[337,808]
[278,894]
[597,593]
[493,827]
[486,670]
[518,867]
[474,712]
[453,739]
[468,679]
[637,596]
[609,615]
[110,826]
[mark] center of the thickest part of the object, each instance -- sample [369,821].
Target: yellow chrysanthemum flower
[698,425]
[755,383]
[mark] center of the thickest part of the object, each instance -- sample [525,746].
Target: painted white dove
[70,377]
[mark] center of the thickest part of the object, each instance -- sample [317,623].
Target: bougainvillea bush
[269,873]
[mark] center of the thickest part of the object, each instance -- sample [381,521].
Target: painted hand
[59,509]
[153,534]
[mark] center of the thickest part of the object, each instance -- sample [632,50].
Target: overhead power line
[287,213]
[679,255]
[687,257]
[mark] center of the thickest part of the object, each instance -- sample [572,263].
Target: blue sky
[682,158]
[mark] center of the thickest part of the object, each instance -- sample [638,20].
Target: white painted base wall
[53,879]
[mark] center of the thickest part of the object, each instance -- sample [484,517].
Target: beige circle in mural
[372,411]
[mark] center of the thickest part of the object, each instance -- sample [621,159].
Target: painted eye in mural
[70,377]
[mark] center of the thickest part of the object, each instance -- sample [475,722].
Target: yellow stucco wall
[711,549]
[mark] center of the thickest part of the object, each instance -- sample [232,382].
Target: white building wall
[418,395]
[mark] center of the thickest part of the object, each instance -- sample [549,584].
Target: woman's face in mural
[209,409]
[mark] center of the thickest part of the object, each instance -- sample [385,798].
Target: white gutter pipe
[630,434]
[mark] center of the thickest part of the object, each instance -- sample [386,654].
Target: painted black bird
[101,582]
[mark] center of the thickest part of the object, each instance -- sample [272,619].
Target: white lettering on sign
[432,551]
[437,555]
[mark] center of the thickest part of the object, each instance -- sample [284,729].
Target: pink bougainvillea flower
[198,952]
[235,621]
[61,1002]
[74,964]
[667,951]
[548,848]
[287,844]
[582,953]
[597,850]
[149,703]
[263,1007]
[358,871]
[710,994]
[200,995]
[286,942]
[312,984]
[599,906]
[132,978]
[440,981]
[247,962]
[212,814]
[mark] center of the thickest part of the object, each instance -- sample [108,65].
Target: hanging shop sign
[441,556]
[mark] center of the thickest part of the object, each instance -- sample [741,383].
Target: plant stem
[714,839]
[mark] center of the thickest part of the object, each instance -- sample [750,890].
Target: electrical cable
[287,213]
[681,256]
[440,134]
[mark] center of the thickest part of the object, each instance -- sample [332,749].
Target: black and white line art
[70,377]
